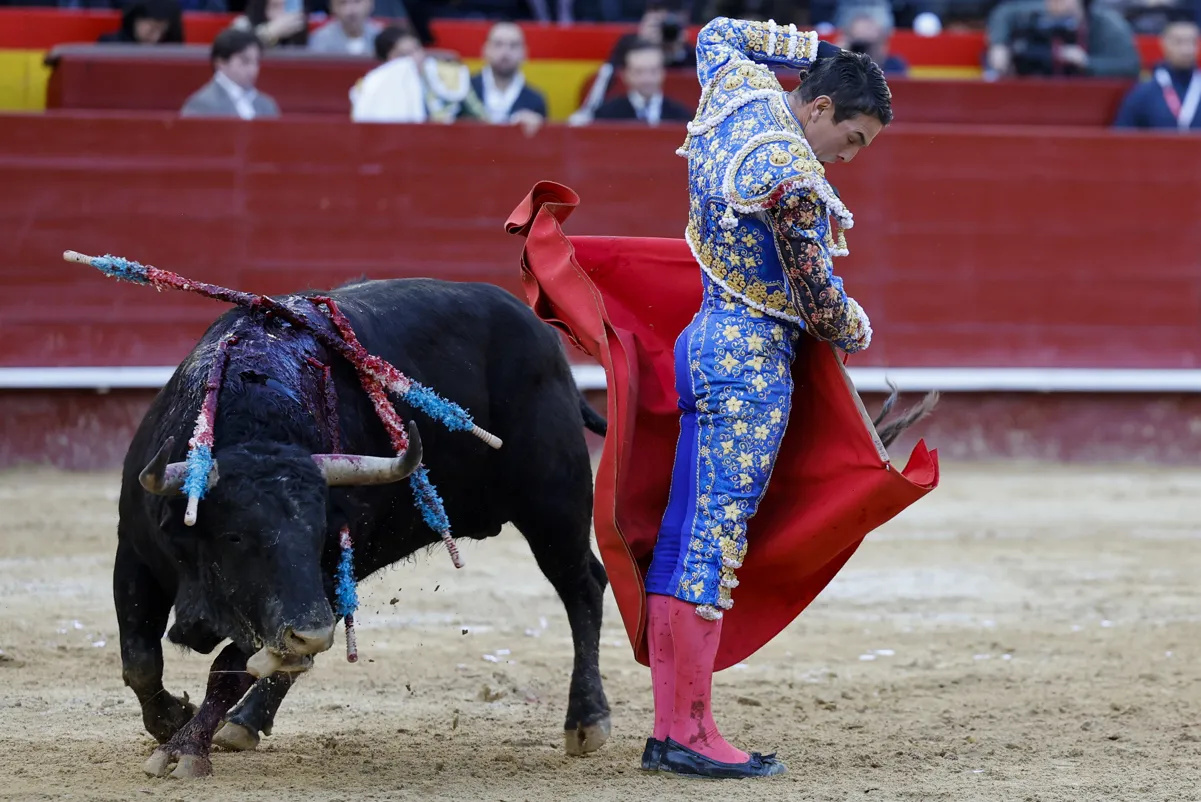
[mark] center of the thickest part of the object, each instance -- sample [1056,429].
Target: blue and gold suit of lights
[763,224]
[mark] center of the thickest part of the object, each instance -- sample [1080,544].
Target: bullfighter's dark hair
[854,82]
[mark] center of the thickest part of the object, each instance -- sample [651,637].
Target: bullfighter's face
[837,141]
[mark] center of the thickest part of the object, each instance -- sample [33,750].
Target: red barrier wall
[147,79]
[102,78]
[1054,102]
[83,430]
[971,248]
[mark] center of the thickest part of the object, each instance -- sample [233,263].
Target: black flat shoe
[652,756]
[679,759]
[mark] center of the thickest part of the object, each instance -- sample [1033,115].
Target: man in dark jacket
[501,87]
[643,75]
[1172,96]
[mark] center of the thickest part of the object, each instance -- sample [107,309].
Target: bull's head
[260,542]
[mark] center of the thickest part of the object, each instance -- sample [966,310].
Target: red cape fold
[623,301]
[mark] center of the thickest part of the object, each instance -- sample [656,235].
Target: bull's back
[476,345]
[453,331]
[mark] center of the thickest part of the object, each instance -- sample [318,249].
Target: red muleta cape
[623,301]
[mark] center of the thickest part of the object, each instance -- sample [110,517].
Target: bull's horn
[355,469]
[160,478]
[167,478]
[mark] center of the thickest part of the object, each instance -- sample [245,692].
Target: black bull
[258,566]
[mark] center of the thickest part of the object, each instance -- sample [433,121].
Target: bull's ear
[355,469]
[164,521]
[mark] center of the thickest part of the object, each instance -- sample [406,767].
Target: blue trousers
[734,379]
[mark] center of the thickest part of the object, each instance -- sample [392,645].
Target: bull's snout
[309,641]
[298,645]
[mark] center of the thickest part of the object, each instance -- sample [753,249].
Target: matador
[764,225]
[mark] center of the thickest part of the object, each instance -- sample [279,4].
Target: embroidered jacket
[760,216]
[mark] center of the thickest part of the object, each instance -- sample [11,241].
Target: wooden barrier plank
[1028,101]
[977,248]
[154,79]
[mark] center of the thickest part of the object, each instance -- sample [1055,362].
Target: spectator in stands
[235,58]
[500,86]
[1059,37]
[643,74]
[278,23]
[663,23]
[351,32]
[412,86]
[1150,16]
[1170,99]
[149,22]
[866,32]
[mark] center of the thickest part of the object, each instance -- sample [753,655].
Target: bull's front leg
[142,608]
[255,714]
[228,681]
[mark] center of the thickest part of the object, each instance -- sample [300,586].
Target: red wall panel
[1029,101]
[104,77]
[146,79]
[82,430]
[973,247]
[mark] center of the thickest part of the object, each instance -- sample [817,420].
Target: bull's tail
[593,420]
[892,431]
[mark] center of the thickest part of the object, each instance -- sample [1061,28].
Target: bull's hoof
[587,738]
[167,715]
[236,738]
[188,766]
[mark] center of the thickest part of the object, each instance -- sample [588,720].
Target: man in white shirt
[231,93]
[351,32]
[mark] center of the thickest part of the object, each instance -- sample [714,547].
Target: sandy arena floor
[1026,633]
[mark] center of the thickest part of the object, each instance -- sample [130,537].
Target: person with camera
[867,31]
[663,24]
[1060,38]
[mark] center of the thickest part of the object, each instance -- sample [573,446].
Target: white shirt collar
[650,109]
[500,102]
[243,98]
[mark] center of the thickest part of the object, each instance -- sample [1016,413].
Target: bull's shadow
[258,566]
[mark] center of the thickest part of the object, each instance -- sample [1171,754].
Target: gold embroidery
[738,441]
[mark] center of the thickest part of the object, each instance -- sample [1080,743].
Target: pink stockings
[682,649]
